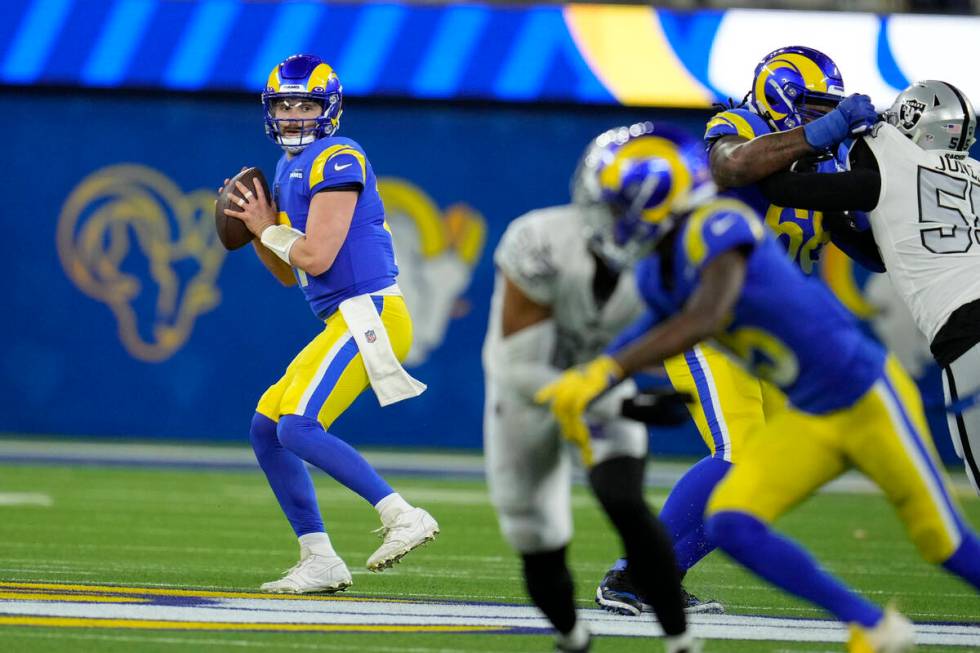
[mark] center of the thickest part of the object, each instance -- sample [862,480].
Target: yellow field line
[78,598]
[111,589]
[151,624]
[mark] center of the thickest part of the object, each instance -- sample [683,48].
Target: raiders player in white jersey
[556,304]
[915,178]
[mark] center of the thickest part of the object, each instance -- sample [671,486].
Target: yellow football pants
[884,435]
[729,402]
[328,374]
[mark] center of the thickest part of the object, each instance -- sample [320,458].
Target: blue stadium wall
[125,317]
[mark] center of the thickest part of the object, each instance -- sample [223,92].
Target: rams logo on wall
[436,251]
[130,238]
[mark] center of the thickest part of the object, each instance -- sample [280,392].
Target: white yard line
[25,499]
[342,611]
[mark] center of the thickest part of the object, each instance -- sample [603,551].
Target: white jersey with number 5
[926,225]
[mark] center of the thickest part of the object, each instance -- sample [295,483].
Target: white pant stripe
[715,403]
[320,371]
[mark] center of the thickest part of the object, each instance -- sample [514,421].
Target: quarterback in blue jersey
[795,110]
[717,273]
[326,231]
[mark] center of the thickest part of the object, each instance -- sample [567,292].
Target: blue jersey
[366,260]
[799,231]
[785,328]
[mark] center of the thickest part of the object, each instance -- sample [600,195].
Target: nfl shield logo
[369,334]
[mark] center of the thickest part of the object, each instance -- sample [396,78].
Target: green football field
[106,538]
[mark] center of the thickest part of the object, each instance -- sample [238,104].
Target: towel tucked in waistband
[390,381]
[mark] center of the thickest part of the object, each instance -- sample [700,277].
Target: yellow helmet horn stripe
[649,147]
[319,77]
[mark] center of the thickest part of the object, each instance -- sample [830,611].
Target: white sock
[315,544]
[390,507]
[578,637]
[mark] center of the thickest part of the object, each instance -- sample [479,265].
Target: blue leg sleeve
[787,566]
[288,477]
[683,512]
[308,440]
[965,562]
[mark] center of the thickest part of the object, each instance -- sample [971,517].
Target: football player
[558,301]
[326,231]
[796,109]
[915,177]
[719,274]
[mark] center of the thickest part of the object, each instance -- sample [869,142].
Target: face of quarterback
[300,116]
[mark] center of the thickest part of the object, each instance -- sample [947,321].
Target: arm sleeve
[838,191]
[356,187]
[846,232]
[855,189]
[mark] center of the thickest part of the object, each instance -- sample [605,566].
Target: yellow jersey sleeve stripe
[737,122]
[319,163]
[695,247]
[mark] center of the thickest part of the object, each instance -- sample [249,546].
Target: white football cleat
[314,573]
[410,530]
[893,634]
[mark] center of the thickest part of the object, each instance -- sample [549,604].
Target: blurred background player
[719,274]
[915,177]
[558,301]
[326,230]
[795,109]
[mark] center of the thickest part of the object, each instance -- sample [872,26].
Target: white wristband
[279,239]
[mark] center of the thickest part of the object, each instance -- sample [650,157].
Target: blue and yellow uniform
[850,405]
[799,231]
[326,377]
[730,403]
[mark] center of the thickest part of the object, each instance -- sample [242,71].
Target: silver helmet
[935,115]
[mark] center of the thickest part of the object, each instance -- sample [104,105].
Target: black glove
[661,407]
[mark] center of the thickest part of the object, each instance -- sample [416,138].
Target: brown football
[232,231]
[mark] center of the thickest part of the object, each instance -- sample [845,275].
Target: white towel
[390,381]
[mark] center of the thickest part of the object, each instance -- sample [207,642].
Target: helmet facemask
[284,130]
[299,79]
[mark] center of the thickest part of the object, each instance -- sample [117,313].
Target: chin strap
[279,239]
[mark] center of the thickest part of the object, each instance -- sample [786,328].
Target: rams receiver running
[796,109]
[326,230]
[717,273]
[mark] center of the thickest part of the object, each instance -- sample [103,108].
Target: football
[232,231]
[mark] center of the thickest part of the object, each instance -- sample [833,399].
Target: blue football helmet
[303,77]
[794,85]
[634,182]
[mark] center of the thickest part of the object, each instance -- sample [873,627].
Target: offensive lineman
[714,272]
[915,177]
[326,230]
[556,303]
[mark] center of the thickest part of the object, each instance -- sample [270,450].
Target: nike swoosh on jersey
[339,167]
